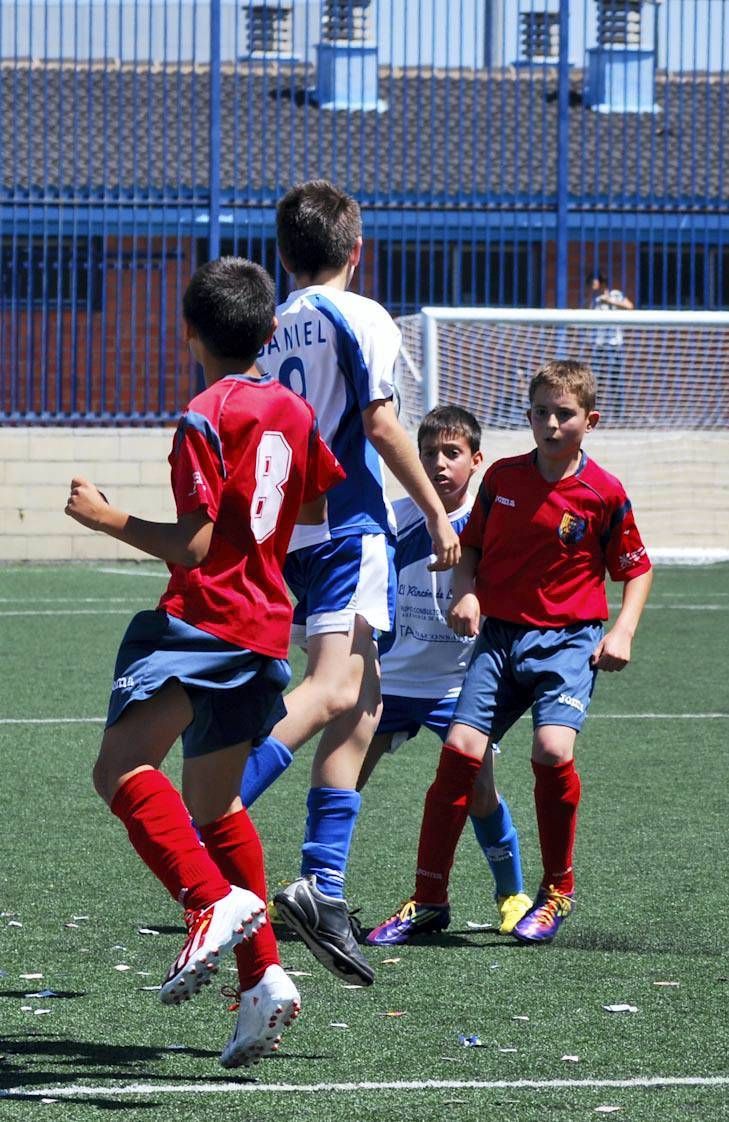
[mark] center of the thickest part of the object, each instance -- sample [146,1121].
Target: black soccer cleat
[325,925]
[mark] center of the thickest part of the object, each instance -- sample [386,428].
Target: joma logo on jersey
[573,702]
[504,501]
[572,528]
[123,683]
[629,559]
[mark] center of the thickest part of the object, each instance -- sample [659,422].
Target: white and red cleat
[210,932]
[264,1012]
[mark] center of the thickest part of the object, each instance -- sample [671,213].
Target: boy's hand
[446,543]
[86,503]
[613,651]
[464,617]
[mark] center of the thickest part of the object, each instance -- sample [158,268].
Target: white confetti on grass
[570,1059]
[30,977]
[147,931]
[606,1109]
[338,1024]
[121,967]
[620,1009]
[666,983]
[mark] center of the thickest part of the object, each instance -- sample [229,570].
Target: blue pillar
[563,144]
[214,157]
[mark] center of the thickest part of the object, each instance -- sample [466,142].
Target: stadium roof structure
[447,140]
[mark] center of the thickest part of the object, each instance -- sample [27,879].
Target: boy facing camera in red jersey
[545,528]
[210,663]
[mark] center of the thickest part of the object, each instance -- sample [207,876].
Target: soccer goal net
[663,397]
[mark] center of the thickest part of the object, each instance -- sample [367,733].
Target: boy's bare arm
[185,542]
[464,617]
[313,513]
[613,650]
[387,435]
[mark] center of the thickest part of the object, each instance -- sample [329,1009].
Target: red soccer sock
[444,816]
[160,830]
[557,796]
[236,848]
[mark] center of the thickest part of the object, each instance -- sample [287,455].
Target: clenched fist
[86,503]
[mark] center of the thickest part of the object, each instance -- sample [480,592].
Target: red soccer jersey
[545,547]
[248,450]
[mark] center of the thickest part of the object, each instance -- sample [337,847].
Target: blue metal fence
[500,151]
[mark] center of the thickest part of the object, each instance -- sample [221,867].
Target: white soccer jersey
[421,656]
[338,349]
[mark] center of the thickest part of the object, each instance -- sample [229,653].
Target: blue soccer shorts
[337,580]
[403,717]
[515,668]
[235,693]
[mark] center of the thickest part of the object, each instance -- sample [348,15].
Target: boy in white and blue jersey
[424,663]
[338,349]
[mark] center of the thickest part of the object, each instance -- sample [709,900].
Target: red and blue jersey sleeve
[198,466]
[624,552]
[472,534]
[323,467]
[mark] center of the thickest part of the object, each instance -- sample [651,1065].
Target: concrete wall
[678,483]
[36,466]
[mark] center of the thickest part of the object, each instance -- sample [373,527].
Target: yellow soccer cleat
[511,910]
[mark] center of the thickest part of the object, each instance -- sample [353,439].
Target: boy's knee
[553,745]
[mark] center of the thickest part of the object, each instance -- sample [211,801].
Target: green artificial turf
[651,873]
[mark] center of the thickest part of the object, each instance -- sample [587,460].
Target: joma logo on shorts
[122,683]
[504,501]
[573,702]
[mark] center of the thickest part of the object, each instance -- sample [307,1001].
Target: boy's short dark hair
[231,304]
[596,276]
[450,420]
[569,375]
[317,226]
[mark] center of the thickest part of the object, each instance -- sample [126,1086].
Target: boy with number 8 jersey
[210,663]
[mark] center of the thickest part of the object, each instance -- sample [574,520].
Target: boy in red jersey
[544,529]
[210,663]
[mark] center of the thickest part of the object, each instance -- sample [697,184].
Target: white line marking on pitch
[526,717]
[52,720]
[70,612]
[409,1085]
[162,574]
[71,599]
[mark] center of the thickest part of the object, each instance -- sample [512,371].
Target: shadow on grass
[86,1100]
[65,1059]
[105,1063]
[68,994]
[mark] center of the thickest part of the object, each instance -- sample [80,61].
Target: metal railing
[139,137]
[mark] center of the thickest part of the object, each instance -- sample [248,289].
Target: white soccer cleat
[210,932]
[264,1012]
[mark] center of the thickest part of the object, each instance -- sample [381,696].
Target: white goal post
[663,395]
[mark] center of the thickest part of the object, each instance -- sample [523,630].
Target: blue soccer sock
[497,836]
[264,764]
[329,828]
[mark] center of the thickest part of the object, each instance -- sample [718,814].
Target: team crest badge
[571,528]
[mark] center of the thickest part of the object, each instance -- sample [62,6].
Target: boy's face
[559,423]
[449,464]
